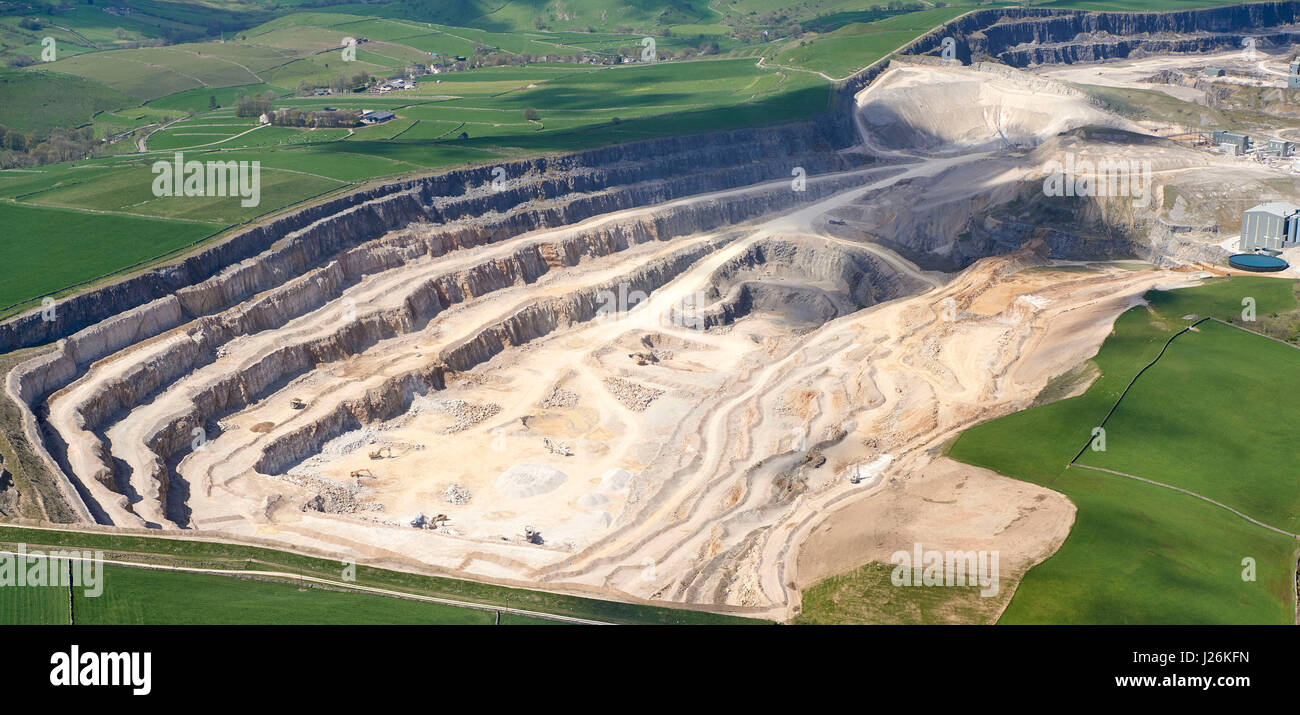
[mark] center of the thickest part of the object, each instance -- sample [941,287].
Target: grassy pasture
[868,596]
[39,101]
[183,552]
[33,606]
[342,166]
[130,189]
[1206,442]
[146,597]
[853,46]
[56,247]
[1140,553]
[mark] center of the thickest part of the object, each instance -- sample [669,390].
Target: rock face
[1021,37]
[804,283]
[607,179]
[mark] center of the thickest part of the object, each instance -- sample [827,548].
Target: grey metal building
[1280,147]
[1225,137]
[1271,225]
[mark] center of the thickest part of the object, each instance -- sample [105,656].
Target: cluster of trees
[25,149]
[254,106]
[299,118]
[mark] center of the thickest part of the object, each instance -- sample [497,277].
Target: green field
[170,591]
[848,49]
[33,606]
[135,596]
[1211,443]
[868,596]
[1140,553]
[145,597]
[40,101]
[60,247]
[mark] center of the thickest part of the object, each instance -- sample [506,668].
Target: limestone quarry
[667,371]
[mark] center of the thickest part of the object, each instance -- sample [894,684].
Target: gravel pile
[633,396]
[466,414]
[615,480]
[457,495]
[527,480]
[331,497]
[559,398]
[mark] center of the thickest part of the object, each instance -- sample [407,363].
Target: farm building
[376,117]
[1271,225]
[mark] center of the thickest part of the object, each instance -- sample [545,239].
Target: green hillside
[40,101]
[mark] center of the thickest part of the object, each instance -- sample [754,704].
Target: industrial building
[1271,225]
[1242,141]
[1280,147]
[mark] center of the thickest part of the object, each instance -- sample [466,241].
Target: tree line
[20,149]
